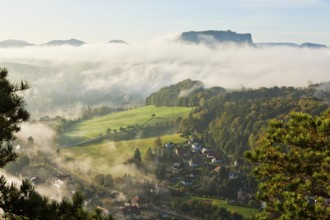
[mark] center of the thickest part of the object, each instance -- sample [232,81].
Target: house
[187,181]
[159,189]
[18,147]
[237,162]
[233,175]
[169,145]
[217,169]
[216,160]
[195,147]
[58,183]
[195,162]
[177,167]
[240,194]
[208,160]
[210,154]
[243,195]
[180,151]
[103,210]
[205,150]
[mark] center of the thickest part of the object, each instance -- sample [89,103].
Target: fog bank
[63,79]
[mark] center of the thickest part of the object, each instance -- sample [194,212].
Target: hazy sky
[98,21]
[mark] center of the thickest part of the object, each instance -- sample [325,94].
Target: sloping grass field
[106,155]
[142,116]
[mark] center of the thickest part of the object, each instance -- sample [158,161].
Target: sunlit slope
[108,156]
[148,116]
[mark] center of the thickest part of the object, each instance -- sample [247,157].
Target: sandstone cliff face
[213,37]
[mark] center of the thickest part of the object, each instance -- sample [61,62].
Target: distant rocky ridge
[118,42]
[313,45]
[14,43]
[71,42]
[21,43]
[304,45]
[214,37]
[209,38]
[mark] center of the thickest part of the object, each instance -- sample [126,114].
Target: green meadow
[148,116]
[108,154]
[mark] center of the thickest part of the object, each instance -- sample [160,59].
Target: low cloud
[64,79]
[43,136]
[187,92]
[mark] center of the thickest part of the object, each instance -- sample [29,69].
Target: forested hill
[232,122]
[187,93]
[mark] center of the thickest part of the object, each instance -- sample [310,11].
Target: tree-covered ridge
[186,93]
[232,121]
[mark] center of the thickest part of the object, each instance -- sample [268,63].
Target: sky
[99,21]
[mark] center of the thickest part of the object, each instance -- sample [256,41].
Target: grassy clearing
[244,211]
[92,128]
[107,157]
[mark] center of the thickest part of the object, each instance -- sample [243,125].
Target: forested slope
[232,121]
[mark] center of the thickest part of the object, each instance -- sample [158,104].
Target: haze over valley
[64,79]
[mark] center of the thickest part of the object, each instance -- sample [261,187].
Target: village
[181,170]
[192,161]
[187,169]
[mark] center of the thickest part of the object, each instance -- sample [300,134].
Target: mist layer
[63,79]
